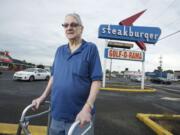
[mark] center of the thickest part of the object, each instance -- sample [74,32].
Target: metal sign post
[143,70]
[104,67]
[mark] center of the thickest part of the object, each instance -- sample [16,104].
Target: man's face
[73,29]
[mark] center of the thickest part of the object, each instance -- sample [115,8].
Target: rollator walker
[26,119]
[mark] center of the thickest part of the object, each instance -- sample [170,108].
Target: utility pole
[160,65]
[110,69]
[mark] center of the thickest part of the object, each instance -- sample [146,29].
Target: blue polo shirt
[73,74]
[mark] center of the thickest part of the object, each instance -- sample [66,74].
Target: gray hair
[76,16]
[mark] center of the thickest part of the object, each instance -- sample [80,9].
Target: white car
[32,74]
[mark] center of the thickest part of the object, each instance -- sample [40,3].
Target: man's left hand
[84,116]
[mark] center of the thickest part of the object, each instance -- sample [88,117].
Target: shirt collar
[83,44]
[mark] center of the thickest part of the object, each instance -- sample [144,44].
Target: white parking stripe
[170,98]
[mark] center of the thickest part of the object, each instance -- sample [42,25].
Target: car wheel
[31,78]
[47,78]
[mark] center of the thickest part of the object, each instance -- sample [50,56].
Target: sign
[119,45]
[124,54]
[129,33]
[4,57]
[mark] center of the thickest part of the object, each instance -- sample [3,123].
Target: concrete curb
[128,90]
[11,129]
[153,125]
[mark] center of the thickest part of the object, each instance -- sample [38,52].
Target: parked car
[136,78]
[160,80]
[32,74]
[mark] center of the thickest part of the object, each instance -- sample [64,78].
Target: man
[75,81]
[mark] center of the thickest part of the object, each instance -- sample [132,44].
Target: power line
[163,12]
[173,22]
[169,35]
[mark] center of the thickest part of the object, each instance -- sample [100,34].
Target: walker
[25,120]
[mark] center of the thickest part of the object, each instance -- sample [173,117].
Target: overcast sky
[31,29]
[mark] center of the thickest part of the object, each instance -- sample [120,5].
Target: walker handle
[75,124]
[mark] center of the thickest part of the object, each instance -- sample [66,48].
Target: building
[130,74]
[5,60]
[177,75]
[9,63]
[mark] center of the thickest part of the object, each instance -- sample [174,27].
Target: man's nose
[69,28]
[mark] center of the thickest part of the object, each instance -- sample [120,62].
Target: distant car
[32,74]
[160,80]
[176,80]
[136,78]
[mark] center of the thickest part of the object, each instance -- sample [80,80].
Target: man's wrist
[43,97]
[91,106]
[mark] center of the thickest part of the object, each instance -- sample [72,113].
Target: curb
[153,125]
[11,129]
[128,90]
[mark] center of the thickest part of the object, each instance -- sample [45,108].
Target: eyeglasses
[65,25]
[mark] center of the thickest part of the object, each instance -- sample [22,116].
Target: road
[116,111]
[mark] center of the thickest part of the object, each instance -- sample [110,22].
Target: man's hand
[36,102]
[84,116]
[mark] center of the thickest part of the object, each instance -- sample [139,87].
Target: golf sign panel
[124,54]
[129,33]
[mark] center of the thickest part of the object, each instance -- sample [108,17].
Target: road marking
[172,90]
[128,90]
[175,90]
[11,129]
[170,99]
[164,108]
[160,130]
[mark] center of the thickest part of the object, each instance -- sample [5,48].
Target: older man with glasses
[75,80]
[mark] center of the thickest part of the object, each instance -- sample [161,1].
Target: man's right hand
[36,102]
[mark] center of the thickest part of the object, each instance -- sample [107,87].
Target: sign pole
[104,67]
[110,69]
[143,75]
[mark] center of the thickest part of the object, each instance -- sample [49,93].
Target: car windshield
[30,70]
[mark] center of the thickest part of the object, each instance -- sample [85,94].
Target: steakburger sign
[124,54]
[129,33]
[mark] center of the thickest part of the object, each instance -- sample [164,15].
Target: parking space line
[128,90]
[164,108]
[170,99]
[153,125]
[6,128]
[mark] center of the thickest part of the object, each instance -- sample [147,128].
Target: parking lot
[116,111]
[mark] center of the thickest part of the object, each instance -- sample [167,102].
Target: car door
[42,74]
[38,74]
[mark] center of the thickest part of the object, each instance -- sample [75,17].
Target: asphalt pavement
[116,111]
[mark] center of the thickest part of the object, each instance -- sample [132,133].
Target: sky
[31,29]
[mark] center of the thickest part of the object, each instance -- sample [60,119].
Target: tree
[24,61]
[126,69]
[115,72]
[40,66]
[169,71]
[159,68]
[107,71]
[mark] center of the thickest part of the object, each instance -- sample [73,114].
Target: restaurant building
[9,63]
